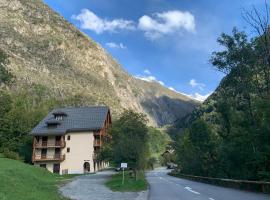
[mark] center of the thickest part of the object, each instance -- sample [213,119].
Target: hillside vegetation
[229,135]
[25,182]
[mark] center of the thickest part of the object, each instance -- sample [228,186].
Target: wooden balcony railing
[96,133]
[47,144]
[94,156]
[97,143]
[44,157]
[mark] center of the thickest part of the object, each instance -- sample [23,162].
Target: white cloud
[91,21]
[196,96]
[171,88]
[149,79]
[146,71]
[200,97]
[166,23]
[116,46]
[195,84]
[154,26]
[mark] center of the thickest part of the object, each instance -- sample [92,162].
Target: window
[68,149]
[43,165]
[52,126]
[58,117]
[44,153]
[68,137]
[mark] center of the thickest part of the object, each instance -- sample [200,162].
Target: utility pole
[123,179]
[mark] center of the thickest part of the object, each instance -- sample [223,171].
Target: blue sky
[169,41]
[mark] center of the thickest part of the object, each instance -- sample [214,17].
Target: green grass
[26,182]
[130,185]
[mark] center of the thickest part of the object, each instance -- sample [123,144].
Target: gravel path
[92,187]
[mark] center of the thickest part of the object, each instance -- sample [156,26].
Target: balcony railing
[97,143]
[96,133]
[44,157]
[46,144]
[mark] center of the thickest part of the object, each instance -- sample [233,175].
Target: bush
[11,155]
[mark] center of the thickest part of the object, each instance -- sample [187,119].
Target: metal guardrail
[259,186]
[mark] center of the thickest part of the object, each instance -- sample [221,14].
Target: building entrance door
[86,167]
[56,168]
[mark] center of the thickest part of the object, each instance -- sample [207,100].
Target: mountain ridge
[45,49]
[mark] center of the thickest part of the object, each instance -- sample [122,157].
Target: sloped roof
[76,119]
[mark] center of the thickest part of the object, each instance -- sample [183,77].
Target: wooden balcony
[55,157]
[96,133]
[94,156]
[97,143]
[50,144]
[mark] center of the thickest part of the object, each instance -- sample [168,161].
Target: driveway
[165,187]
[91,187]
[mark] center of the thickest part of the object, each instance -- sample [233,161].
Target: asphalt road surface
[165,187]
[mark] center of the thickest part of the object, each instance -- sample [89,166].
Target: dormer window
[59,115]
[52,123]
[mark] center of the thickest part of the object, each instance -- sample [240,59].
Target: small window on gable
[68,149]
[68,137]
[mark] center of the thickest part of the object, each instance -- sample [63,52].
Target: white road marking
[164,179]
[211,199]
[190,189]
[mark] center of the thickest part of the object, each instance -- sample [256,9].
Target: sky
[168,41]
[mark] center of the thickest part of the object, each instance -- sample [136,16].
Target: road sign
[123,165]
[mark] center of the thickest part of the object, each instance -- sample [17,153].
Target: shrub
[11,154]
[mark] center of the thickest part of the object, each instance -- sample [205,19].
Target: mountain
[44,49]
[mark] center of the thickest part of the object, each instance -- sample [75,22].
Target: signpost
[123,166]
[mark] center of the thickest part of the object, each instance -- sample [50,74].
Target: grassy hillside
[25,182]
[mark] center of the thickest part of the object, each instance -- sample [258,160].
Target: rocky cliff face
[45,49]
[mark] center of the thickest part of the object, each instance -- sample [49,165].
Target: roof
[75,119]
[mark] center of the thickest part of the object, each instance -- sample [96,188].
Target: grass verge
[130,184]
[26,182]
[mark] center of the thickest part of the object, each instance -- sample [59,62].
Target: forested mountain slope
[228,136]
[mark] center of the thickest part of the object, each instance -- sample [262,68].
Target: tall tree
[129,140]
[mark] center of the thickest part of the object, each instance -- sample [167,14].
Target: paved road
[91,187]
[165,187]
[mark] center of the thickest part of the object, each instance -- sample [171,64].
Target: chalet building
[68,139]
